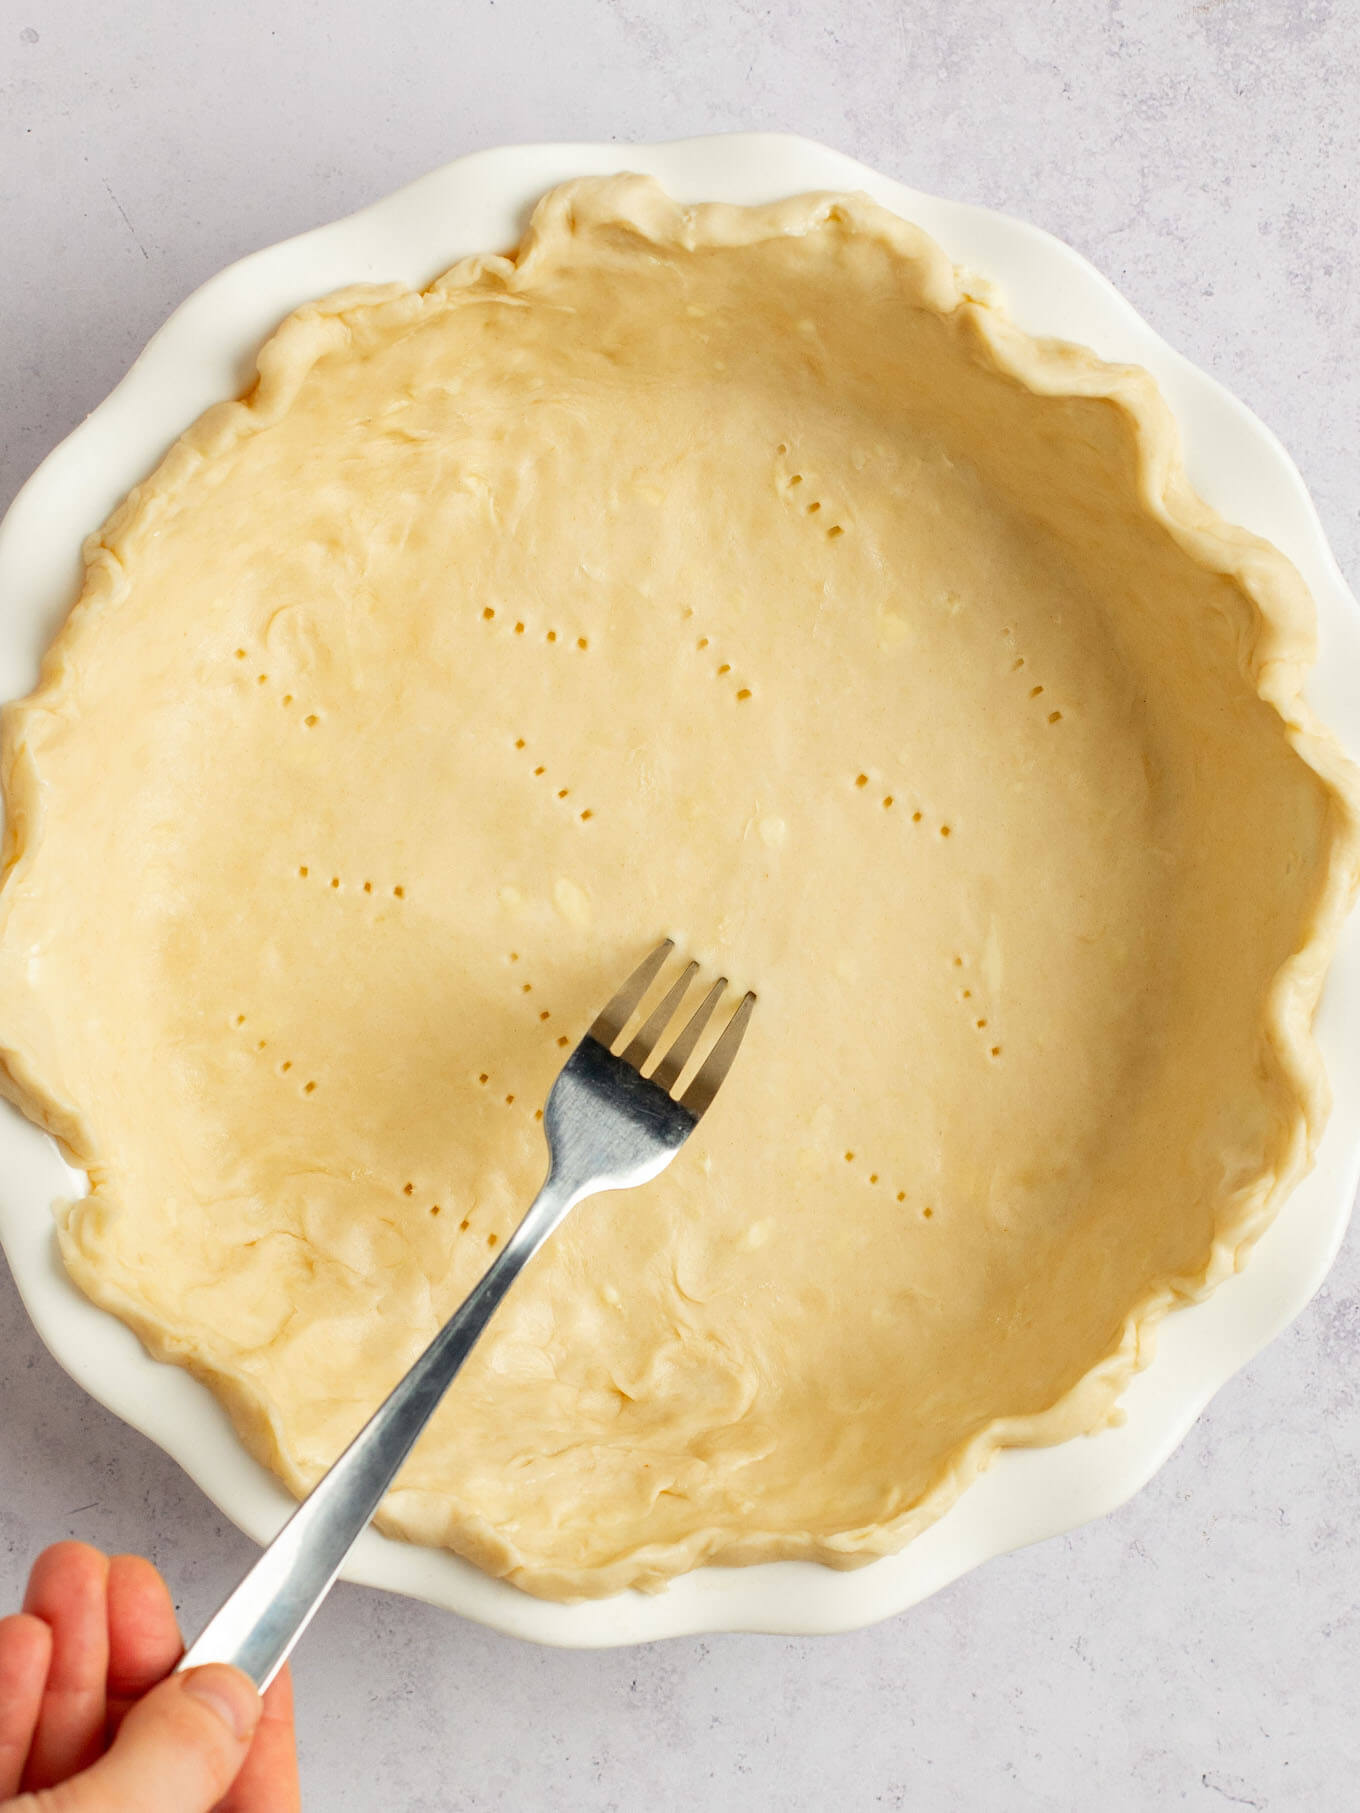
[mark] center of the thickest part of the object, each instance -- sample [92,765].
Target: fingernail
[229,1694]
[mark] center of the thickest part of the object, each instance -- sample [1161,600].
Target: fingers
[67,1591]
[144,1641]
[181,1746]
[268,1782]
[25,1649]
[178,1750]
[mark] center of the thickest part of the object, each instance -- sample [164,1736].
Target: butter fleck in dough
[716,572]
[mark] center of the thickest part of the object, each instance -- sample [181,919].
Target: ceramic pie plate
[206,352]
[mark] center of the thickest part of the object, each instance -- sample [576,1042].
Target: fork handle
[256,1627]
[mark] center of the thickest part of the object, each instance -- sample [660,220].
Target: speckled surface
[1201,1647]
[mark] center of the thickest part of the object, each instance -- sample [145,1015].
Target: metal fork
[612,1122]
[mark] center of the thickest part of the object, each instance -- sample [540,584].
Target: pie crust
[741,574]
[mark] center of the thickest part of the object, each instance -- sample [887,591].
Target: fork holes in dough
[562,793]
[874,1178]
[723,669]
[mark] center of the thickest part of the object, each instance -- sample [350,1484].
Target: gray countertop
[1202,1646]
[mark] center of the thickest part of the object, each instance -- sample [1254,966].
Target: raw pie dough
[729,573]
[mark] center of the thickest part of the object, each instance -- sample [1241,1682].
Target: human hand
[92,1720]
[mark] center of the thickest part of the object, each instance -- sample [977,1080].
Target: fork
[612,1121]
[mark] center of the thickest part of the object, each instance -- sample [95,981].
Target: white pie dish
[206,352]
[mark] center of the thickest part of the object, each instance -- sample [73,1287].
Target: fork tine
[611,1022]
[642,1044]
[667,1073]
[719,1061]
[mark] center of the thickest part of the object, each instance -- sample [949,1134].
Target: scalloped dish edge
[1275,661]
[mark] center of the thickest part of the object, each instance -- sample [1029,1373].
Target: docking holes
[871,785]
[506,1091]
[982,1021]
[874,1179]
[283,1067]
[420,1195]
[340,884]
[525,630]
[807,498]
[722,669]
[1038,694]
[285,700]
[542,772]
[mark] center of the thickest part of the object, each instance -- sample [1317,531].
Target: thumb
[178,1750]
